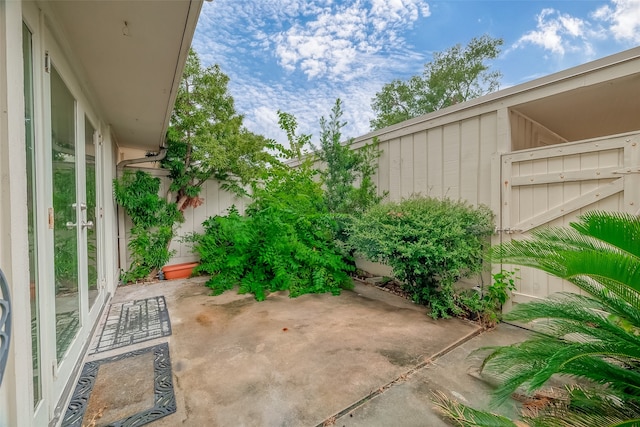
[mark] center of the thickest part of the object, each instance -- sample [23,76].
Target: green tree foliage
[348,174]
[595,337]
[153,223]
[429,243]
[285,239]
[206,137]
[205,140]
[458,74]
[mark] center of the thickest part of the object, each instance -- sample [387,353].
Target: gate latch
[507,230]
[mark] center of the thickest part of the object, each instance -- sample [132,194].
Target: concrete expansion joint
[332,420]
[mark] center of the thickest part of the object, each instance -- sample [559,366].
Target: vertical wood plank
[420,181]
[469,159]
[407,160]
[540,192]
[451,161]
[384,165]
[488,185]
[435,162]
[211,196]
[395,170]
[571,190]
[632,180]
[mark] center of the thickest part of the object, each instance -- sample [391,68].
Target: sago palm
[592,338]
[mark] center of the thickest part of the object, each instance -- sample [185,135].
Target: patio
[365,357]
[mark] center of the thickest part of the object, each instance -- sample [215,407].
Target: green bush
[429,243]
[153,223]
[285,240]
[486,306]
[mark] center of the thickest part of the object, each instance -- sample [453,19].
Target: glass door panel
[92,243]
[65,235]
[31,211]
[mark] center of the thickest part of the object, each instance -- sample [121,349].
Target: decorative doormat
[131,389]
[133,322]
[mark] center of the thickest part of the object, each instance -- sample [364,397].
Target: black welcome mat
[131,389]
[132,322]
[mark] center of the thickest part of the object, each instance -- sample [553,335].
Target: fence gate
[551,186]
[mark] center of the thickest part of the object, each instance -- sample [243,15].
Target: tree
[595,337]
[348,174]
[455,75]
[206,137]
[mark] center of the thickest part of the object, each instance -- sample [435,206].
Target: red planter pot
[179,271]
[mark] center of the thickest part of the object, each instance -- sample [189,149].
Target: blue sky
[299,56]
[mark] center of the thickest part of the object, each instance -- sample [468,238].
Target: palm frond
[619,229]
[567,313]
[616,298]
[527,366]
[607,266]
[587,408]
[465,416]
[581,340]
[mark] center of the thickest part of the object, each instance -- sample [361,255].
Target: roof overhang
[605,108]
[591,100]
[131,54]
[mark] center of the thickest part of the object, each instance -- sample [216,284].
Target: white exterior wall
[15,396]
[16,390]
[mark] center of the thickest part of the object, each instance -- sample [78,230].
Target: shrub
[285,241]
[429,243]
[486,306]
[153,223]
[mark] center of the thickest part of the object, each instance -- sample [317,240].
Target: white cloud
[260,103]
[623,16]
[298,56]
[337,40]
[558,33]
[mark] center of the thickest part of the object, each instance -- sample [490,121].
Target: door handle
[70,224]
[88,224]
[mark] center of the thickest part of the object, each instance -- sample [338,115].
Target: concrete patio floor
[364,358]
